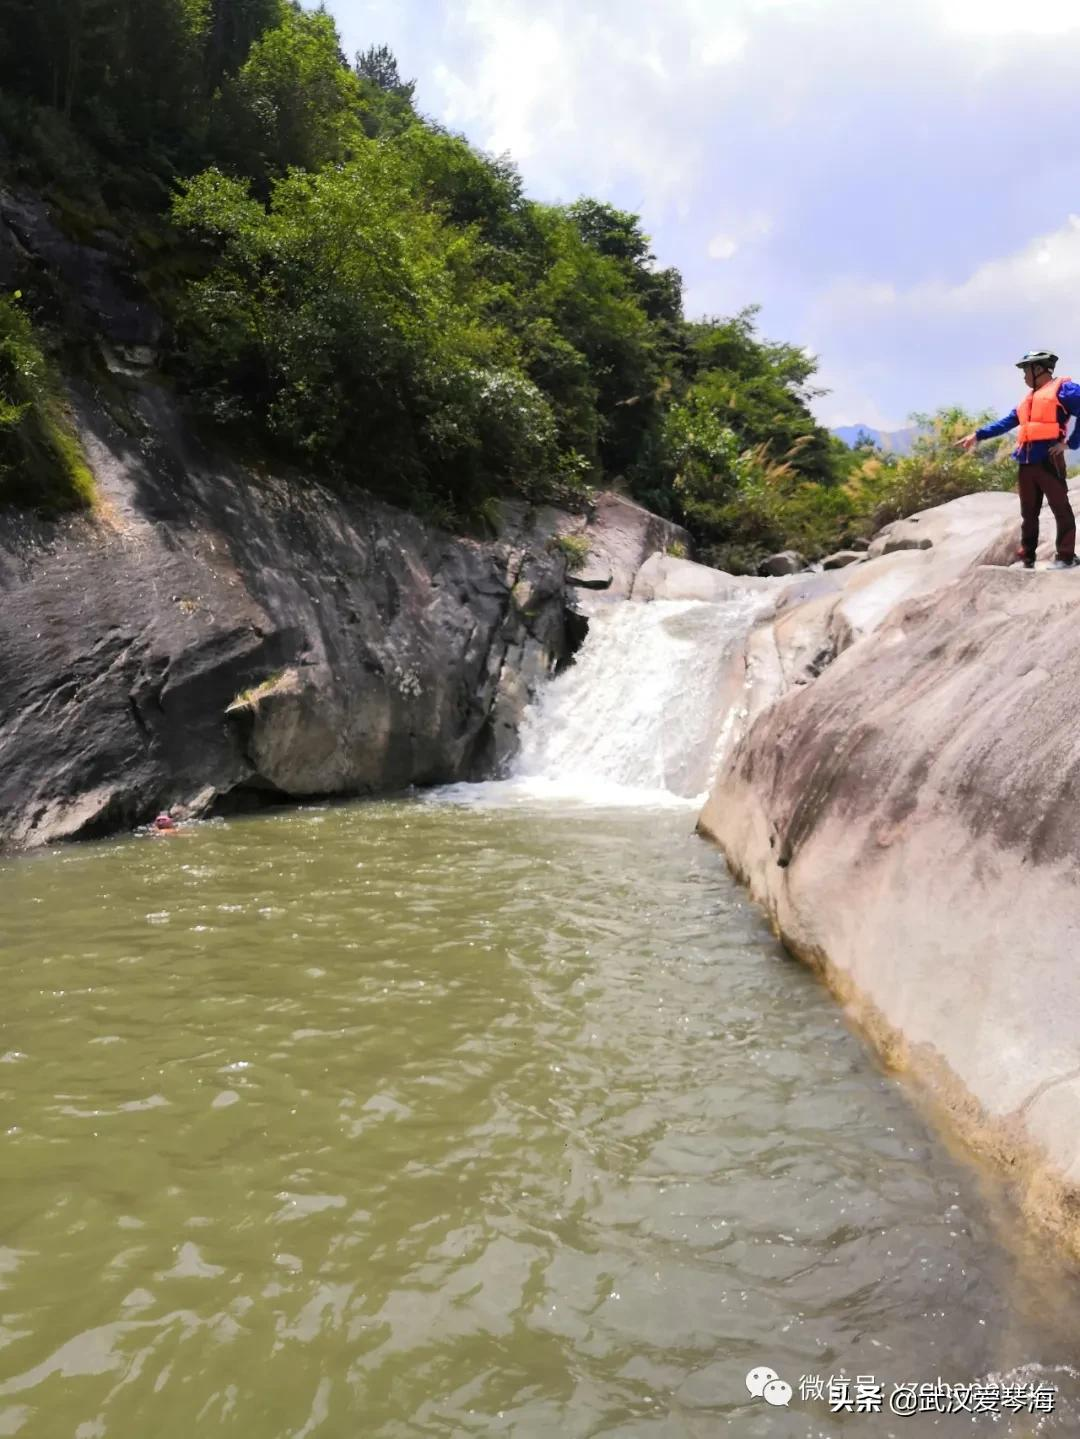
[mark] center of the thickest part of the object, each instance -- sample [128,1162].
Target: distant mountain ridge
[898,441]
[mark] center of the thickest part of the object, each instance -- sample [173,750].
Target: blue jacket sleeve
[1069,396]
[1010,421]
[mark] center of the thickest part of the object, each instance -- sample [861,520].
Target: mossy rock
[42,463]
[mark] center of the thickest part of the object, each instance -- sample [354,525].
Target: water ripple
[447,1119]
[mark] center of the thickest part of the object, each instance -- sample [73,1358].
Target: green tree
[232,27]
[378,65]
[748,466]
[293,101]
[618,235]
[369,289]
[467,187]
[764,391]
[387,99]
[348,316]
[588,299]
[102,58]
[150,99]
[58,51]
[703,453]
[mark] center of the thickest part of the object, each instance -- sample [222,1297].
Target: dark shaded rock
[842,558]
[97,279]
[212,631]
[577,630]
[787,562]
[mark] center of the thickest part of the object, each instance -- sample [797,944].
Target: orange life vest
[1038,413]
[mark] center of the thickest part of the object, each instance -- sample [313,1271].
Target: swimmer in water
[164,823]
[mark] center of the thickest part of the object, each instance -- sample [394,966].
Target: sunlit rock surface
[904,799]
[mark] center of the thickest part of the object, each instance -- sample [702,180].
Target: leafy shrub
[745,504]
[934,472]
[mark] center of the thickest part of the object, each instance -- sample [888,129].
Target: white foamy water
[644,708]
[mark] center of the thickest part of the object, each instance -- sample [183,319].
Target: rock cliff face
[905,802]
[218,638]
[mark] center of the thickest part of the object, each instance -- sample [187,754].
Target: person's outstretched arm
[1001,427]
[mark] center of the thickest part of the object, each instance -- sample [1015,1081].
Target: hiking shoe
[1069,563]
[1028,561]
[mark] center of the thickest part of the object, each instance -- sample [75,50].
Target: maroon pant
[1036,481]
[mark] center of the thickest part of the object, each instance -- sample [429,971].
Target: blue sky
[873,176]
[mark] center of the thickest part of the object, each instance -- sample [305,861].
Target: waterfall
[644,708]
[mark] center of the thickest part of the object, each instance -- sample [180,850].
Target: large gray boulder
[664,577]
[983,513]
[621,536]
[602,551]
[900,799]
[819,615]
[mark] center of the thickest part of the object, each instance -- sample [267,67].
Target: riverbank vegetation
[348,285]
[764,504]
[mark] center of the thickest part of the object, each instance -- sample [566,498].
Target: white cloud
[883,144]
[739,231]
[593,98]
[722,247]
[511,100]
[724,45]
[1042,280]
[622,93]
[962,338]
[1004,18]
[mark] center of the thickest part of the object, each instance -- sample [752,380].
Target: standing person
[1042,417]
